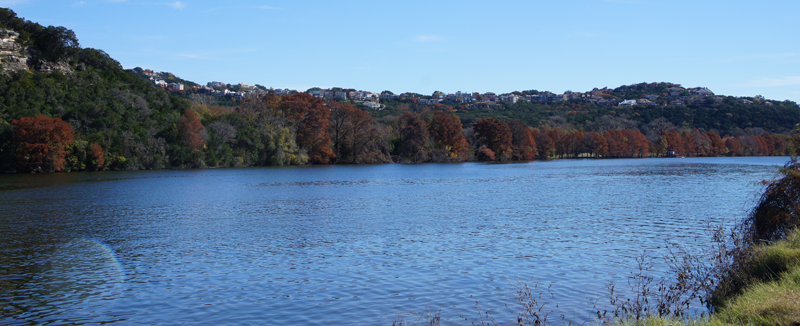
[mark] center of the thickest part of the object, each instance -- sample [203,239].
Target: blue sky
[740,48]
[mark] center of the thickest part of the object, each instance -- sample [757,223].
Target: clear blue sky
[741,48]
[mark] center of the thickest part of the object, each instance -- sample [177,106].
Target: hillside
[47,73]
[643,106]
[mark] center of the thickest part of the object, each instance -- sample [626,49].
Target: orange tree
[190,130]
[311,118]
[446,131]
[496,136]
[41,143]
[523,146]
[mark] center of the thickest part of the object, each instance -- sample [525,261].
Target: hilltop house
[702,91]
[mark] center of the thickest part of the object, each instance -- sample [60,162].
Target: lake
[360,245]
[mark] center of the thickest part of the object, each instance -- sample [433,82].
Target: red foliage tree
[734,145]
[486,154]
[351,131]
[446,131]
[674,142]
[522,143]
[573,143]
[495,135]
[689,144]
[778,143]
[415,136]
[559,144]
[41,143]
[190,130]
[96,155]
[627,143]
[717,144]
[598,145]
[545,146]
[616,143]
[311,118]
[640,147]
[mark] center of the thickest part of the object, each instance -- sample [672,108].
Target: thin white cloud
[773,82]
[428,38]
[116,1]
[79,4]
[177,5]
[265,7]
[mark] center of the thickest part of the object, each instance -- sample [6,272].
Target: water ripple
[350,244]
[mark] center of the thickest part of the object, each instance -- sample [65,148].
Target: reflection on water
[346,244]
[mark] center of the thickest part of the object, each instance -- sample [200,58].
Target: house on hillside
[627,103]
[702,91]
[175,86]
[509,98]
[373,105]
[572,96]
[317,93]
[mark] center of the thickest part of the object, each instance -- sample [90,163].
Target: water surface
[347,244]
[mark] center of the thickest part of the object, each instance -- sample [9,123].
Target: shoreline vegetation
[749,276]
[68,108]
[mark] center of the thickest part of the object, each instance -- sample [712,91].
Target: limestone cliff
[12,55]
[15,57]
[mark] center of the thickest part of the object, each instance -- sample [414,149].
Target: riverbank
[774,300]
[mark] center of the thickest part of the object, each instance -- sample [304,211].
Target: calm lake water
[348,244]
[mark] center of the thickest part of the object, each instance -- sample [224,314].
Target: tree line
[300,129]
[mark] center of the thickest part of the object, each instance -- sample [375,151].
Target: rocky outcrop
[11,53]
[61,67]
[15,57]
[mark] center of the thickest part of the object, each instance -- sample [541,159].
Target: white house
[373,105]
